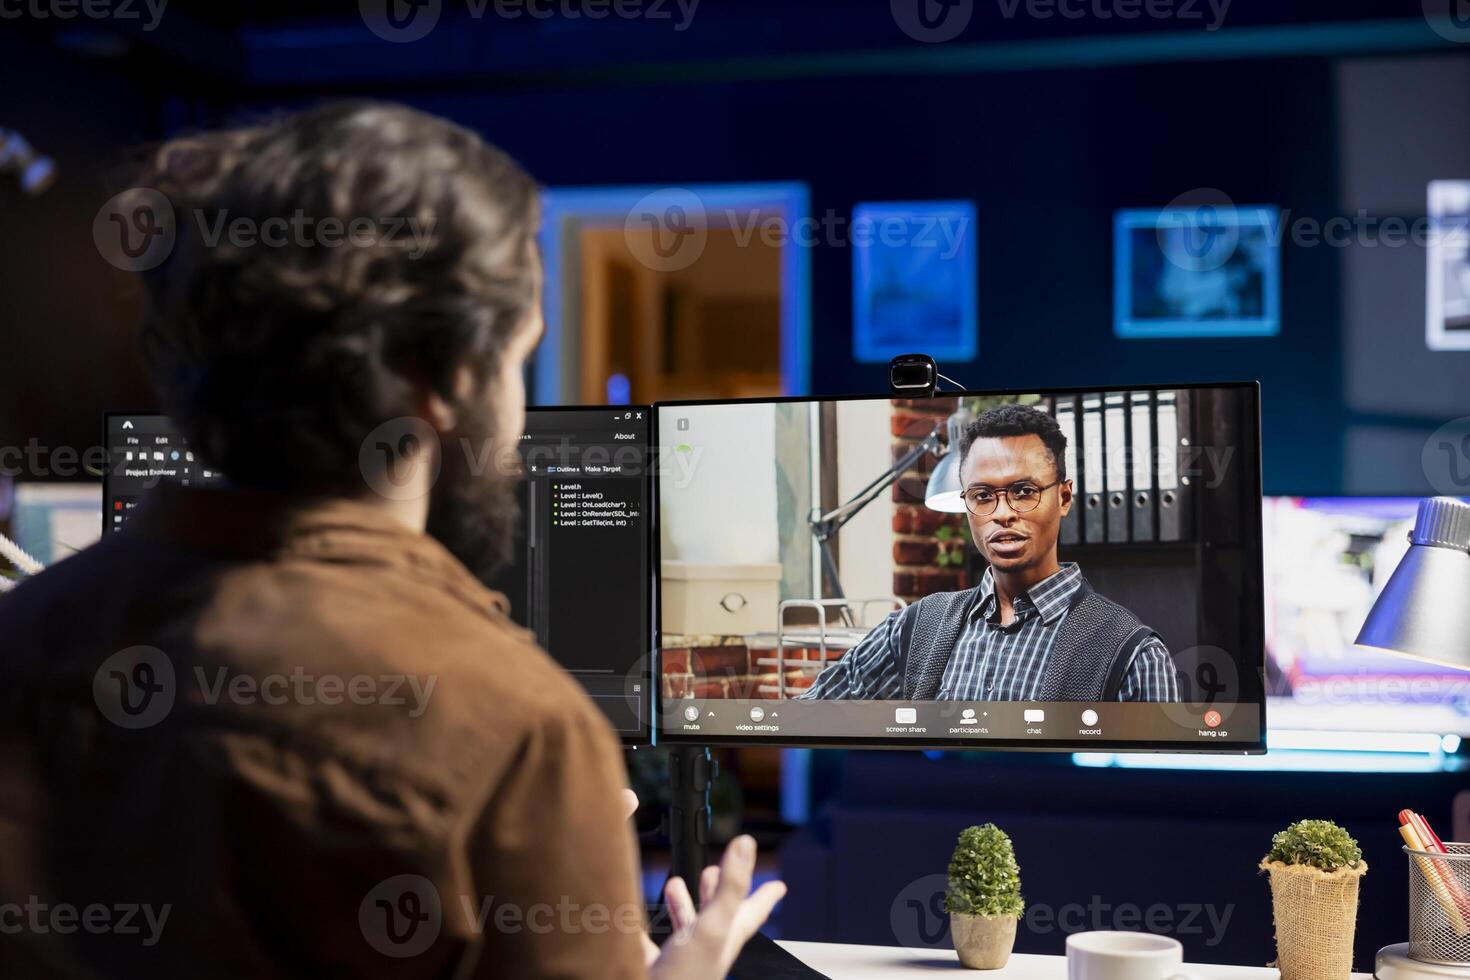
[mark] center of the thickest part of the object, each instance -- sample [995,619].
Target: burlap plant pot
[984,942]
[1316,914]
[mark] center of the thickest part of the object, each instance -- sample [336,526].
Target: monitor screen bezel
[1252,388]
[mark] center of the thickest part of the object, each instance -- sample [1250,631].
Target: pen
[1438,876]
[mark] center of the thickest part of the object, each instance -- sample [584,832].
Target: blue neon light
[1306,751]
[913,280]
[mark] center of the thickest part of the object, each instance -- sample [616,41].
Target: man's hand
[704,944]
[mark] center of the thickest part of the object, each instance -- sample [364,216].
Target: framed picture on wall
[913,280]
[1211,271]
[1447,299]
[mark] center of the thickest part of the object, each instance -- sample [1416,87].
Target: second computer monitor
[580,573]
[580,579]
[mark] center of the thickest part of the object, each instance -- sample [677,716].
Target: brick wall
[915,547]
[734,670]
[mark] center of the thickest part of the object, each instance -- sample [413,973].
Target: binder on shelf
[1176,515]
[1066,416]
[1115,473]
[1142,458]
[1093,518]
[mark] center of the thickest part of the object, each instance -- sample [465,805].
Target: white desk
[842,962]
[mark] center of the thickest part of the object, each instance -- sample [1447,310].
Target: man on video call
[1033,629]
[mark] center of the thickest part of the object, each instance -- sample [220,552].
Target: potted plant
[983,897]
[1315,867]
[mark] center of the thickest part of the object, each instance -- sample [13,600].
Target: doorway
[638,311]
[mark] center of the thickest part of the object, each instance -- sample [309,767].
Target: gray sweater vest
[1094,648]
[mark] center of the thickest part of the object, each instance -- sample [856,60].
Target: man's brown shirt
[252,737]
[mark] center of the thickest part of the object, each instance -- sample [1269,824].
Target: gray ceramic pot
[984,942]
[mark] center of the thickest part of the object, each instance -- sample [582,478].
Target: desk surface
[842,962]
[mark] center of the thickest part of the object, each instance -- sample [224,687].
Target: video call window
[1049,569]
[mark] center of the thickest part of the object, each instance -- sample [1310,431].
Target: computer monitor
[580,578]
[1327,558]
[821,581]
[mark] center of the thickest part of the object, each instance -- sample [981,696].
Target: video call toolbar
[1014,723]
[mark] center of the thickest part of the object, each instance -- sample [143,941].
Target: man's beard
[475,514]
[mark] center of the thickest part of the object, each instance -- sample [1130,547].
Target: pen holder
[1439,905]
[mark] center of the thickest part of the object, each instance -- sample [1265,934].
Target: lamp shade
[943,493]
[1424,610]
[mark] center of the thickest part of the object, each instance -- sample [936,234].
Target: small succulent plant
[984,878]
[1316,843]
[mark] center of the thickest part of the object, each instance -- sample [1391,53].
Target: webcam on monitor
[913,375]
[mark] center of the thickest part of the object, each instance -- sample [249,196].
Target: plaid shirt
[991,662]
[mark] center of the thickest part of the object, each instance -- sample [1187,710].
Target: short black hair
[1003,421]
[277,362]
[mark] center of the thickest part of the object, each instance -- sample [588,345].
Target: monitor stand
[691,771]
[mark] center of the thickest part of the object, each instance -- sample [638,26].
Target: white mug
[1124,956]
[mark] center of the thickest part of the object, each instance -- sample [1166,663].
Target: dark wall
[1047,157]
[68,343]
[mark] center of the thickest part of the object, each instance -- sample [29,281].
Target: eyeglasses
[1023,497]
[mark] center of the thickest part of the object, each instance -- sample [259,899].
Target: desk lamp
[1424,613]
[943,492]
[909,376]
[1424,610]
